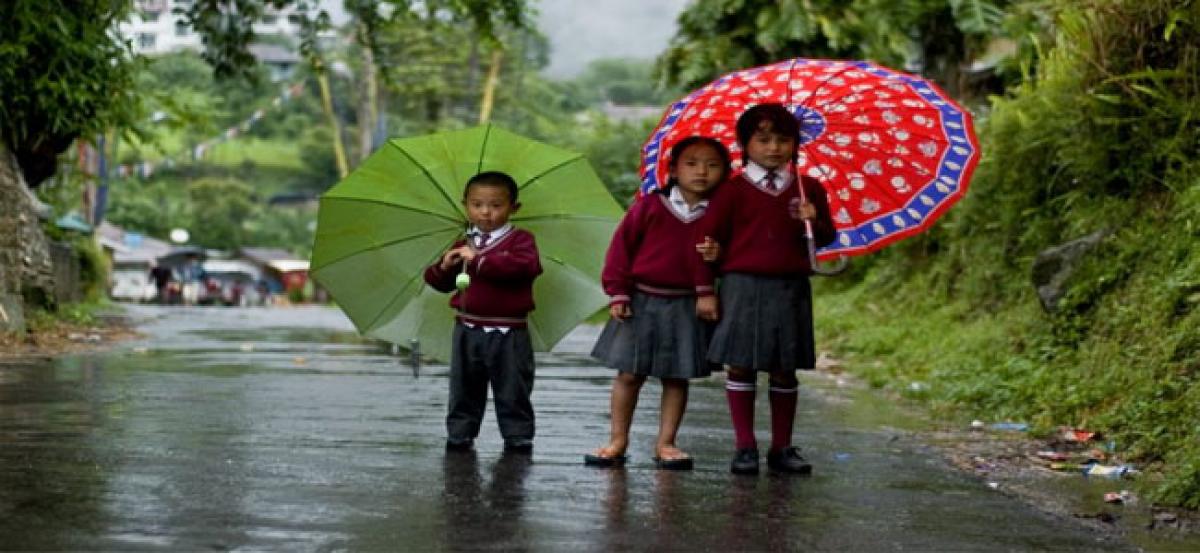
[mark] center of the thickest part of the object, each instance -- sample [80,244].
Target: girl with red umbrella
[761,220]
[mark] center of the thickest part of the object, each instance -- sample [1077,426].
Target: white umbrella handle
[842,261]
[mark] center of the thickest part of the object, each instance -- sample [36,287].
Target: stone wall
[25,262]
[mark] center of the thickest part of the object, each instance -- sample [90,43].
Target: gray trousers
[503,359]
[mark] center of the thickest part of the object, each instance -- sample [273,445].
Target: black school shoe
[788,460]
[745,461]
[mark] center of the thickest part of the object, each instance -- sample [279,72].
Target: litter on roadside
[1108,471]
[1076,435]
[1121,497]
[1053,455]
[1012,426]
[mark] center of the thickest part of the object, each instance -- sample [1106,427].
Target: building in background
[156,29]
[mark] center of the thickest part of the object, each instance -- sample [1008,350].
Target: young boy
[491,343]
[765,300]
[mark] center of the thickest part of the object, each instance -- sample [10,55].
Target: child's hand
[455,255]
[706,308]
[620,311]
[450,259]
[709,249]
[803,210]
[467,253]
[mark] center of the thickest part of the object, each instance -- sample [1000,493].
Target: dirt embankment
[61,337]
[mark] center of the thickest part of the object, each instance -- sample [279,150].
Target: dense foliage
[1103,138]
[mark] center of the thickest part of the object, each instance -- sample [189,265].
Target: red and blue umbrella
[892,150]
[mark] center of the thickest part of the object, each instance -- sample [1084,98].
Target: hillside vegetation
[1102,137]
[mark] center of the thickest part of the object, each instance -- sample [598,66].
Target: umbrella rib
[381,245]
[396,296]
[487,134]
[433,180]
[552,169]
[397,206]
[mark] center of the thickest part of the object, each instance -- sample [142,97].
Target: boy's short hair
[493,178]
[780,119]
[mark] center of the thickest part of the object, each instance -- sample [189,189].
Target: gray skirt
[766,323]
[663,339]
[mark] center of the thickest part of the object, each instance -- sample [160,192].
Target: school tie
[482,239]
[772,181]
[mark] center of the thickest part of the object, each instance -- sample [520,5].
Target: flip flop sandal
[681,463]
[601,461]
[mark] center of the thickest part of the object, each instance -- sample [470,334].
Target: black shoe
[518,446]
[456,444]
[788,460]
[745,461]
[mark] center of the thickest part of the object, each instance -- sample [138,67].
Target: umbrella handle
[842,261]
[836,269]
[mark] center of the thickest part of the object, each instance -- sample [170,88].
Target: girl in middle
[654,330]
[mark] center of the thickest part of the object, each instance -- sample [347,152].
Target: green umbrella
[401,209]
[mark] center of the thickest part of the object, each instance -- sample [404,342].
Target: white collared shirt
[681,208]
[756,174]
[493,236]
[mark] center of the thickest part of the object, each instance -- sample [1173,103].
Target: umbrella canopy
[401,209]
[892,150]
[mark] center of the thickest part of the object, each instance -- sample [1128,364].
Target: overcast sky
[584,30]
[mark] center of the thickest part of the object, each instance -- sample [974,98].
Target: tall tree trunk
[489,88]
[339,150]
[368,105]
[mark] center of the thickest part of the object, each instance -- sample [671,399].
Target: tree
[63,74]
[934,37]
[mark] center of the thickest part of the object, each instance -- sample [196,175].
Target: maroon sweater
[756,231]
[501,290]
[650,251]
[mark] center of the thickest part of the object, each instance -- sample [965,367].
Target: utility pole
[489,88]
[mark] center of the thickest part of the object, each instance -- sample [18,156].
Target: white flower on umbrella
[841,139]
[862,120]
[861,87]
[927,200]
[843,216]
[827,150]
[801,158]
[900,184]
[843,194]
[758,84]
[953,166]
[961,151]
[855,74]
[781,77]
[719,128]
[873,167]
[923,121]
[909,102]
[900,150]
[857,180]
[885,105]
[738,90]
[899,134]
[914,214]
[928,148]
[707,113]
[882,95]
[898,221]
[895,163]
[822,172]
[837,81]
[868,138]
[878,228]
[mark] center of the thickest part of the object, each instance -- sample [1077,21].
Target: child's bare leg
[625,390]
[674,403]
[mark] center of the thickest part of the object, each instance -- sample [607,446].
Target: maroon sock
[783,413]
[741,410]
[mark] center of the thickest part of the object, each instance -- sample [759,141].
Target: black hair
[778,118]
[493,178]
[679,147]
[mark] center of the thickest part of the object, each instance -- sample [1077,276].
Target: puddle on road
[201,444]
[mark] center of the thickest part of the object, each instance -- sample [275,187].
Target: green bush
[1104,137]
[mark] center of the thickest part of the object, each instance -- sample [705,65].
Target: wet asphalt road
[280,429]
